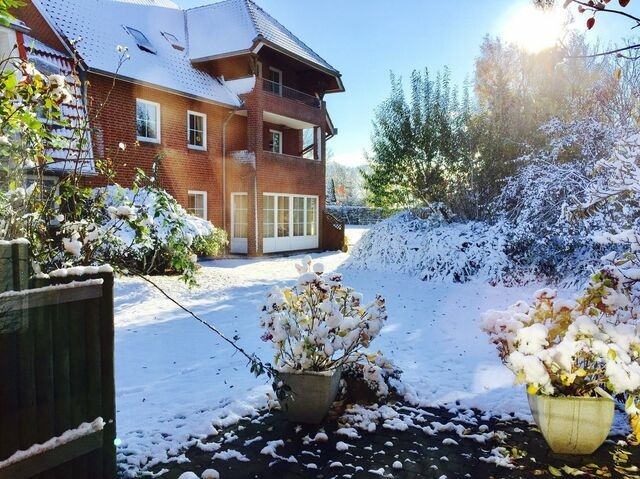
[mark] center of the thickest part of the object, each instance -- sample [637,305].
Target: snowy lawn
[176,379]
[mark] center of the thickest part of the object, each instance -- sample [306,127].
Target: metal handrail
[286,92]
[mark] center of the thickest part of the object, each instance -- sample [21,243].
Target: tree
[593,8]
[419,145]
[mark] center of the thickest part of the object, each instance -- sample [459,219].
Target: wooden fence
[56,371]
[333,233]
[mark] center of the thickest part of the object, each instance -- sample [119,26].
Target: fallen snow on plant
[178,383]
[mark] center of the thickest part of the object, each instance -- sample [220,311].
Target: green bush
[212,244]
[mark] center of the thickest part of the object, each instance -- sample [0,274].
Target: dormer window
[173,40]
[143,42]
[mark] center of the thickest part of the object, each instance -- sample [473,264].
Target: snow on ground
[176,380]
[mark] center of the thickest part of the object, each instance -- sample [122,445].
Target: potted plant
[576,357]
[316,326]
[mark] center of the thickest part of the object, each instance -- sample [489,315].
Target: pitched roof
[99,25]
[221,29]
[76,151]
[237,26]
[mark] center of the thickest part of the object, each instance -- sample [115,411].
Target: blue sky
[366,39]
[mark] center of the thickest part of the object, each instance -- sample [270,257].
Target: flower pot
[311,395]
[572,425]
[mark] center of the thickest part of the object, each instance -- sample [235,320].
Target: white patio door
[239,223]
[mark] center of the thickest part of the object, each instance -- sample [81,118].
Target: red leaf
[591,22]
[623,3]
[581,9]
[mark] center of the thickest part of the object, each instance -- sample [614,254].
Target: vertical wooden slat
[108,378]
[6,267]
[44,374]
[94,380]
[20,266]
[76,316]
[61,380]
[27,397]
[9,360]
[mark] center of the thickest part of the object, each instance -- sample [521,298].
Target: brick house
[229,98]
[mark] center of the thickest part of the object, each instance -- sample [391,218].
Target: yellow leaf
[555,471]
[532,389]
[612,354]
[618,73]
[581,373]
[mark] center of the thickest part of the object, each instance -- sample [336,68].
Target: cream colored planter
[311,395]
[572,425]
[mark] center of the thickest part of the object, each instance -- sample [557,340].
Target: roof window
[142,41]
[173,40]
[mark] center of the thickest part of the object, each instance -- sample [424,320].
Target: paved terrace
[395,441]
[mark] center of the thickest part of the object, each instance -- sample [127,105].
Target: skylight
[173,40]
[142,41]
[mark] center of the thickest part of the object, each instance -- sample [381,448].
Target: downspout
[224,169]
[255,203]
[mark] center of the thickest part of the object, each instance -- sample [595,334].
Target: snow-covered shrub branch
[319,323]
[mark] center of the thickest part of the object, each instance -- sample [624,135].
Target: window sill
[144,139]
[197,148]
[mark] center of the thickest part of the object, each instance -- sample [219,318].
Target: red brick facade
[112,112]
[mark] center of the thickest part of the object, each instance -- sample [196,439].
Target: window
[239,221]
[269,219]
[298,216]
[173,40]
[141,40]
[312,216]
[197,205]
[275,77]
[148,121]
[276,141]
[283,216]
[196,130]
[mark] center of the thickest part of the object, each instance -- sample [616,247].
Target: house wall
[181,168]
[279,173]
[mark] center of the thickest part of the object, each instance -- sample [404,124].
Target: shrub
[212,244]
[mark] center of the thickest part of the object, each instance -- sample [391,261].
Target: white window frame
[204,203]
[281,146]
[279,82]
[204,131]
[158,124]
[290,242]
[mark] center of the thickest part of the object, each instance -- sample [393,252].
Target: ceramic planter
[572,425]
[311,395]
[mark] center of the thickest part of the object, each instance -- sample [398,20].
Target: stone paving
[395,441]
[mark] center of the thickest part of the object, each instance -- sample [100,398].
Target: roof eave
[220,56]
[260,41]
[127,79]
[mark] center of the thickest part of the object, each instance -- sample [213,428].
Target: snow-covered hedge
[432,250]
[463,251]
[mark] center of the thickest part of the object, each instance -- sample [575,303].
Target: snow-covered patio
[176,380]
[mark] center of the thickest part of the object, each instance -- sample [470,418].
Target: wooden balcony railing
[285,92]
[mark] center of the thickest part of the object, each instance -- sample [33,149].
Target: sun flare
[534,29]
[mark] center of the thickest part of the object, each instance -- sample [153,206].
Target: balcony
[278,89]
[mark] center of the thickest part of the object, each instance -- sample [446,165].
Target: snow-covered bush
[533,204]
[433,249]
[141,230]
[319,324]
[376,371]
[587,347]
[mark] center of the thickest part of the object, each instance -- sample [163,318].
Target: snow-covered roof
[238,25]
[100,26]
[73,154]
